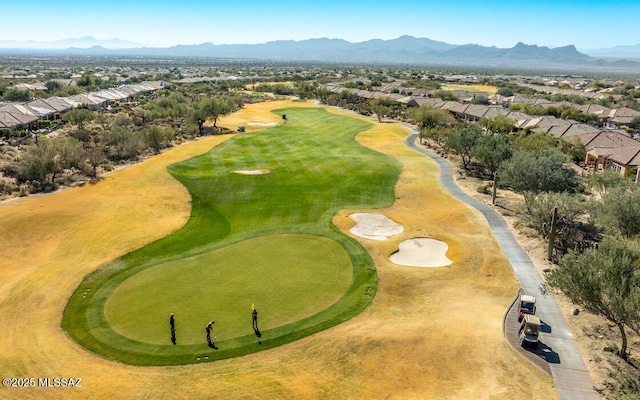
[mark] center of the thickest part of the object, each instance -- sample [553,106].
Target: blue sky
[162,23]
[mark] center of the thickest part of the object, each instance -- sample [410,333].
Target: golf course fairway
[253,240]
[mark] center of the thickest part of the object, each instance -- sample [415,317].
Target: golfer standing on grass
[172,324]
[254,320]
[209,341]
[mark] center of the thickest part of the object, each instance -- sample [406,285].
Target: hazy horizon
[163,23]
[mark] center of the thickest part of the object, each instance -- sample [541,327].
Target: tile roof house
[422,101]
[475,112]
[30,86]
[611,149]
[621,116]
[8,121]
[601,112]
[447,105]
[91,101]
[540,123]
[17,118]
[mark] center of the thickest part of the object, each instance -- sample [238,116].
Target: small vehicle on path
[527,306]
[529,330]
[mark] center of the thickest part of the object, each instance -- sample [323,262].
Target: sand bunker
[421,252]
[257,123]
[251,171]
[374,226]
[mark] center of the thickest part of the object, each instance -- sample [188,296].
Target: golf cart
[529,330]
[527,306]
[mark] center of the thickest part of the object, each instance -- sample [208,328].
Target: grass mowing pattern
[316,168]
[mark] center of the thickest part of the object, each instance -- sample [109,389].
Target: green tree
[43,161]
[214,108]
[78,117]
[381,106]
[68,152]
[38,163]
[505,91]
[605,281]
[574,148]
[532,173]
[94,157]
[446,95]
[16,95]
[601,182]
[497,124]
[463,140]
[121,144]
[53,86]
[158,137]
[89,81]
[528,108]
[566,111]
[433,123]
[480,100]
[492,150]
[304,89]
[619,210]
[535,142]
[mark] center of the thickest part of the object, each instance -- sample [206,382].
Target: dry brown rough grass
[429,333]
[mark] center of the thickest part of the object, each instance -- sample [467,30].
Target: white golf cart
[529,330]
[527,306]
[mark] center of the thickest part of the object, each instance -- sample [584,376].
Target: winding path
[563,356]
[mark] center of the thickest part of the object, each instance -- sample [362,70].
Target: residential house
[611,149]
[30,86]
[416,101]
[8,121]
[17,117]
[621,117]
[90,101]
[601,113]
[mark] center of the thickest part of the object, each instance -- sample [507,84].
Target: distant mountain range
[616,52]
[403,50]
[81,43]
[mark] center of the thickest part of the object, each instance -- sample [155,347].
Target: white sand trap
[421,252]
[257,123]
[251,171]
[374,226]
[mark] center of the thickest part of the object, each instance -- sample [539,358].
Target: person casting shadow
[254,320]
[172,325]
[209,341]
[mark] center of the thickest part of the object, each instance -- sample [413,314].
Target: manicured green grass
[263,239]
[311,273]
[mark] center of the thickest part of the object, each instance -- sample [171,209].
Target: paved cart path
[563,356]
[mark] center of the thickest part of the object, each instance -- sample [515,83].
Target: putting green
[263,239]
[311,274]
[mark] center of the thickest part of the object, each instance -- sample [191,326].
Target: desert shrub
[122,144]
[485,187]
